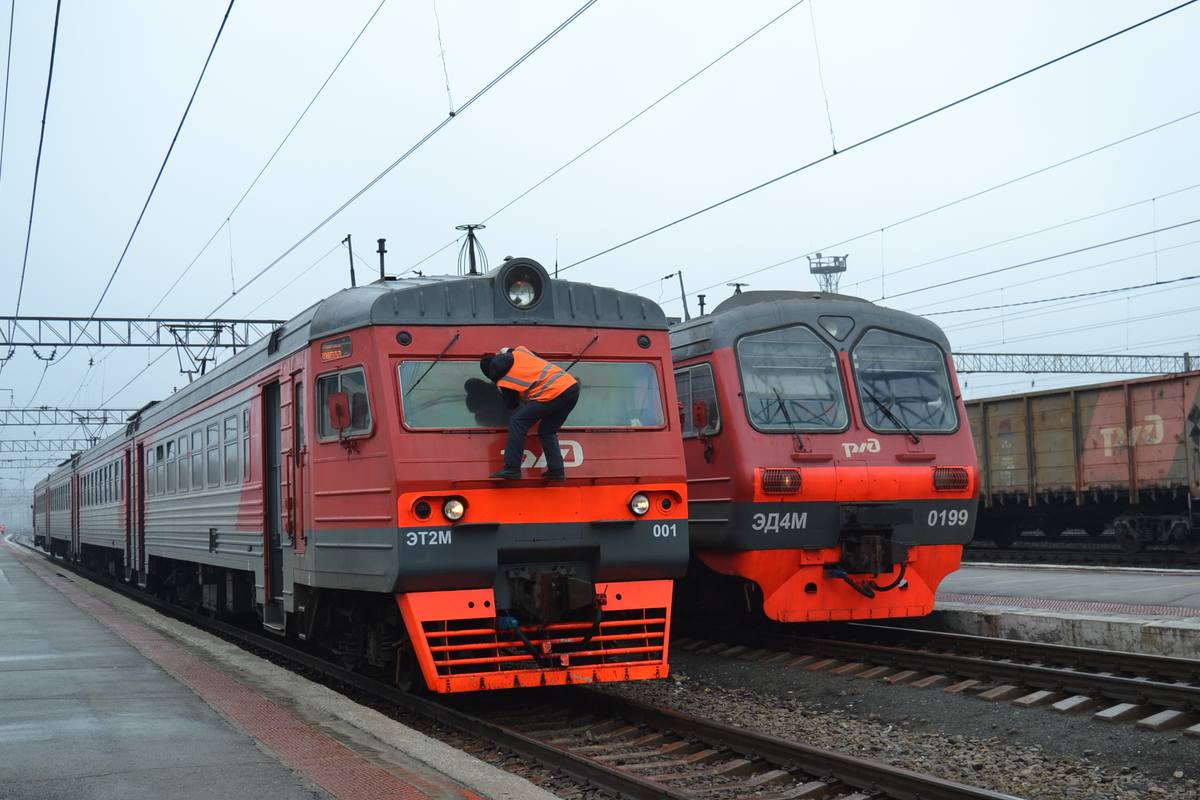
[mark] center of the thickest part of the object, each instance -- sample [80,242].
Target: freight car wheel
[1190,545]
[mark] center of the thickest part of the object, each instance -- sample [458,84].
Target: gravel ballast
[1029,752]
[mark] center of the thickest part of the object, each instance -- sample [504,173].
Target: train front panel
[829,459]
[497,583]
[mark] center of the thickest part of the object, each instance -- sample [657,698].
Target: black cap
[485,364]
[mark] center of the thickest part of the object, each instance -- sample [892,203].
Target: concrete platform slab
[156,733]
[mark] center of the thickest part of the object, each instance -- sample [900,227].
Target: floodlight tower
[828,271]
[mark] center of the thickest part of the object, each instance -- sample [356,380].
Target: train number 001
[952,517]
[666,530]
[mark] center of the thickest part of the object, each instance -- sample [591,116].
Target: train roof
[423,300]
[481,300]
[750,312]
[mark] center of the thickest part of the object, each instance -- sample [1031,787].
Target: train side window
[160,467]
[171,471]
[183,463]
[354,383]
[246,445]
[695,384]
[197,459]
[150,483]
[231,449]
[214,454]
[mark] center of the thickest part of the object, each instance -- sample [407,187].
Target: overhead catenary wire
[972,196]
[38,163]
[413,149]
[7,73]
[1044,259]
[881,134]
[254,182]
[641,113]
[166,158]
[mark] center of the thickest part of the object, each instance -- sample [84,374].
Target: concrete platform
[1130,610]
[101,698]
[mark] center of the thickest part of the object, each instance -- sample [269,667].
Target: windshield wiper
[431,366]
[890,415]
[783,408]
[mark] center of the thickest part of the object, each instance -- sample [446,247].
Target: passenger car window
[907,377]
[354,383]
[231,450]
[791,381]
[214,454]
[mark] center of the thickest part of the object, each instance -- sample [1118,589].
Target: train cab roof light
[780,481]
[523,283]
[951,479]
[836,326]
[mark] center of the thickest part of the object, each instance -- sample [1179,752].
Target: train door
[138,487]
[298,480]
[273,475]
[74,512]
[128,509]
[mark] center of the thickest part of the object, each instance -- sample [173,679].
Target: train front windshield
[790,381]
[454,394]
[903,384]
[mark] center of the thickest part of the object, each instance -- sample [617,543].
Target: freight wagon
[1122,455]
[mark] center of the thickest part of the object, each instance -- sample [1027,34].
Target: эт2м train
[334,480]
[831,472]
[1123,455]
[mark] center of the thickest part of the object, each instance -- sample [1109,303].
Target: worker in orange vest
[549,394]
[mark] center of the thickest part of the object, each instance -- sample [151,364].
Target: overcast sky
[1080,177]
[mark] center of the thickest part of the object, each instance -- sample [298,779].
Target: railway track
[1156,693]
[607,744]
[1077,554]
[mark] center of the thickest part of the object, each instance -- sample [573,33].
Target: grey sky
[124,71]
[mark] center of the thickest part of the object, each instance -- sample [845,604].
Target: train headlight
[454,509]
[640,504]
[523,283]
[521,294]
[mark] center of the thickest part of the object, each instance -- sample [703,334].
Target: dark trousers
[552,413]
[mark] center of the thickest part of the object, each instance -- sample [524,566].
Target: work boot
[508,473]
[555,475]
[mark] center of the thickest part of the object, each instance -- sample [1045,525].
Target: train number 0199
[952,517]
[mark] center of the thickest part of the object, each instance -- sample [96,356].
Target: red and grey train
[334,480]
[831,470]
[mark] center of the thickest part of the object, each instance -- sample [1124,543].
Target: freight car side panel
[1127,438]
[1053,424]
[1134,436]
[1007,447]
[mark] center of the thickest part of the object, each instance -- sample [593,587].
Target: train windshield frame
[791,382]
[906,376]
[454,395]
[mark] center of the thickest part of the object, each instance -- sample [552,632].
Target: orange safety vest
[535,378]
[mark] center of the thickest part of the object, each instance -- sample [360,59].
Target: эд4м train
[831,471]
[334,480]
